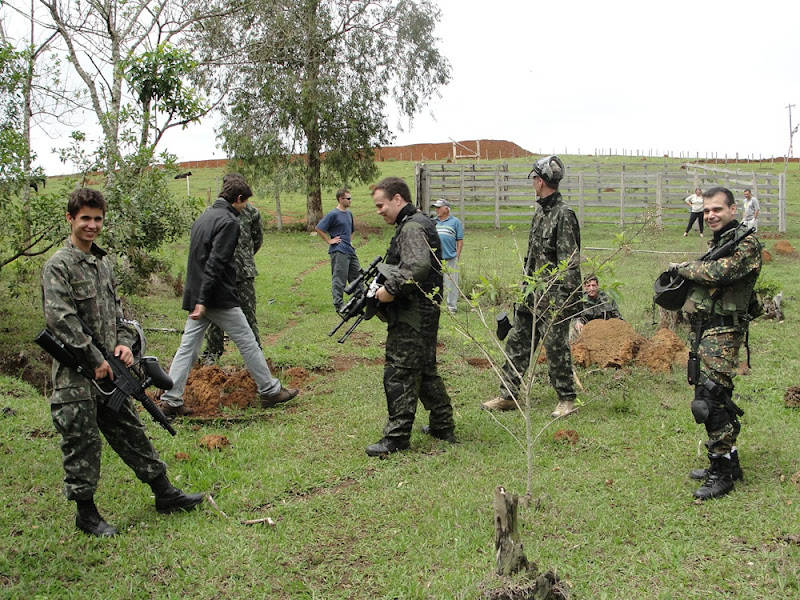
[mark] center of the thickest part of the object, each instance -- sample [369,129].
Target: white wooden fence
[500,194]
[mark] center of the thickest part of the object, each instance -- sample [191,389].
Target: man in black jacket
[210,296]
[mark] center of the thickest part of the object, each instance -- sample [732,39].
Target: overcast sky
[701,76]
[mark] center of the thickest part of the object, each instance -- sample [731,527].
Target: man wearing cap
[337,228]
[553,294]
[451,234]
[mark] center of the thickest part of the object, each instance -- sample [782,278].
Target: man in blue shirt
[337,228]
[451,234]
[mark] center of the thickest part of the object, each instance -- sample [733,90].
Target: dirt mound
[611,343]
[661,351]
[766,256]
[792,397]
[489,150]
[614,343]
[784,248]
[210,389]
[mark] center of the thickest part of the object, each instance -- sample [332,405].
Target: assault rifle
[362,305]
[125,384]
[671,289]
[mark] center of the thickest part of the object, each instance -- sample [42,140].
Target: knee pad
[700,405]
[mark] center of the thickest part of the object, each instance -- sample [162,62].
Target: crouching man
[78,284]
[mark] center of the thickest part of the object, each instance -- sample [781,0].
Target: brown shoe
[284,395]
[499,404]
[563,409]
[176,411]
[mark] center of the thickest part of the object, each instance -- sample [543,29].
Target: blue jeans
[450,276]
[234,323]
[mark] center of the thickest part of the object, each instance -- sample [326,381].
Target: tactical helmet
[670,290]
[549,168]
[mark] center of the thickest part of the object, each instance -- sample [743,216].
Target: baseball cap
[441,202]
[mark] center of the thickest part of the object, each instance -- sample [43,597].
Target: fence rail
[501,194]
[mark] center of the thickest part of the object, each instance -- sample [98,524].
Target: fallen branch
[266,520]
[214,506]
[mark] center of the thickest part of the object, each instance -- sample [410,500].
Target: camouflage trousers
[80,424]
[215,337]
[719,360]
[410,373]
[522,338]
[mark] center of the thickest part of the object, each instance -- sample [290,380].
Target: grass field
[612,515]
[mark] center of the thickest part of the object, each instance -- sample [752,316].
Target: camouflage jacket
[251,236]
[555,237]
[602,307]
[416,250]
[76,284]
[724,287]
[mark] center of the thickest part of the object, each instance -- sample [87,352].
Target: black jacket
[211,271]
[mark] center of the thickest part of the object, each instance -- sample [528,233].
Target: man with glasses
[554,295]
[337,228]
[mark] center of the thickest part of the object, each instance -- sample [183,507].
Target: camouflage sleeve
[61,313]
[745,258]
[568,249]
[257,231]
[415,260]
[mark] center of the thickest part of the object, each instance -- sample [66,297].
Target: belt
[716,321]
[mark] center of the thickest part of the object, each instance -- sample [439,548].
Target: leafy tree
[31,221]
[317,77]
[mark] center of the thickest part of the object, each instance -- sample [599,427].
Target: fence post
[461,188]
[782,202]
[659,202]
[496,197]
[580,199]
[622,199]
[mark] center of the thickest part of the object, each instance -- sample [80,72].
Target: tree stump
[510,553]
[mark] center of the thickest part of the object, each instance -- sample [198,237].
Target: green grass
[612,515]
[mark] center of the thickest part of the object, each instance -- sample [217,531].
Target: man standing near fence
[555,239]
[451,234]
[751,210]
[337,228]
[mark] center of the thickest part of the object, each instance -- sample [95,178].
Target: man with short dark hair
[596,305]
[451,234]
[717,304]
[78,284]
[554,239]
[410,306]
[751,210]
[337,228]
[210,296]
[251,236]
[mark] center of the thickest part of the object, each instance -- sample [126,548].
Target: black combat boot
[170,499]
[89,520]
[446,435]
[736,473]
[387,446]
[719,481]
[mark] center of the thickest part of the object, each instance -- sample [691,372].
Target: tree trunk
[510,553]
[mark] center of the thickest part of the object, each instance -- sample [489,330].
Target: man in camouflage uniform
[251,236]
[596,304]
[410,297]
[718,301]
[555,238]
[78,283]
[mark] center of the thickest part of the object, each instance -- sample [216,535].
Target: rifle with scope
[125,384]
[362,305]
